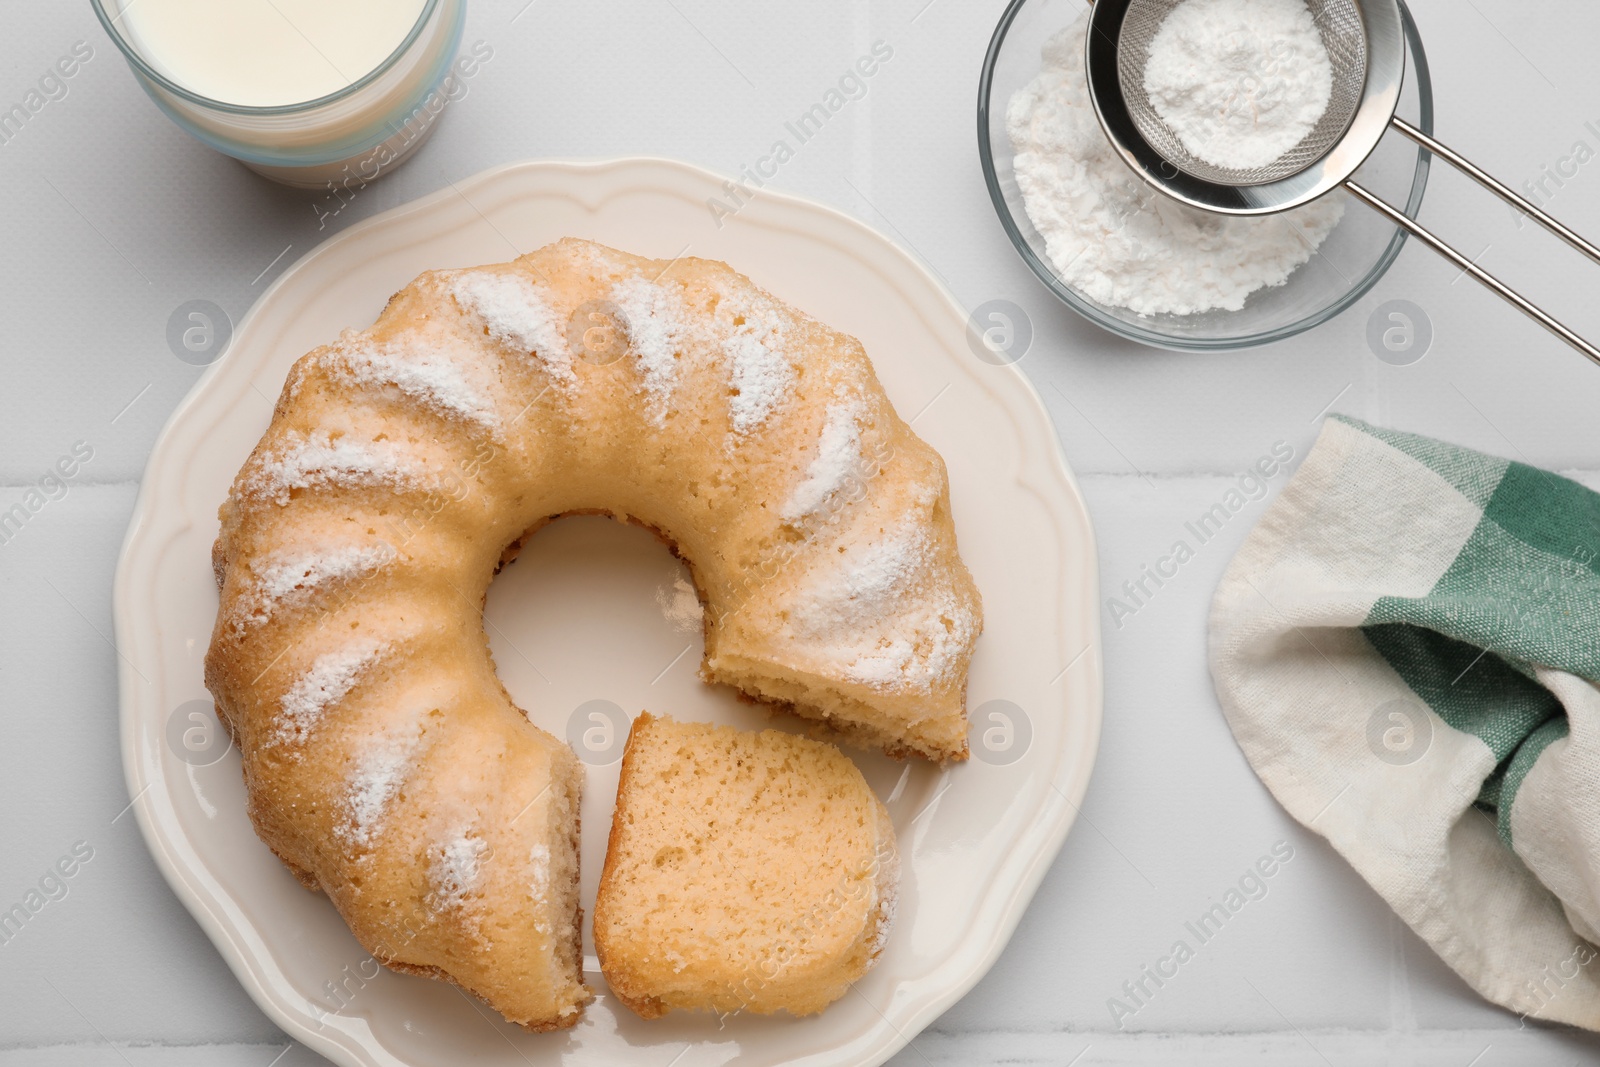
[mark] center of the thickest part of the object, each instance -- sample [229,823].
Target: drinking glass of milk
[303,91]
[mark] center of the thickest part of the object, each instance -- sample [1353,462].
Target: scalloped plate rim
[955,975]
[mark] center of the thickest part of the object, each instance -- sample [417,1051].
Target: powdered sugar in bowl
[1134,297]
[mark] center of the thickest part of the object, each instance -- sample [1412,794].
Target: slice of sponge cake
[745,872]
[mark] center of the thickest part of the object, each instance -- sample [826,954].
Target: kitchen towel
[1407,649]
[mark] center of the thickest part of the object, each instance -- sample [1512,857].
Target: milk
[307,92]
[264,53]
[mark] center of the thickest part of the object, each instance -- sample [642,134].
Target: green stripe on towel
[1477,692]
[1523,591]
[1394,572]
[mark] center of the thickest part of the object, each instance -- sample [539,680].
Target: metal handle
[1489,182]
[1416,229]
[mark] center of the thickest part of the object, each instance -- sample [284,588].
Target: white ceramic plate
[586,614]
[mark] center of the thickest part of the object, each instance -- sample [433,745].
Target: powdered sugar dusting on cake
[539,881]
[925,647]
[760,369]
[753,331]
[516,314]
[380,773]
[432,376]
[291,579]
[657,326]
[302,461]
[455,867]
[539,873]
[885,617]
[838,459]
[869,582]
[331,678]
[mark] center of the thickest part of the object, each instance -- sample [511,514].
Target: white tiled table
[112,218]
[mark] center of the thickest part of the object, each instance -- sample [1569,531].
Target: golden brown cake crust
[384,762]
[646,1007]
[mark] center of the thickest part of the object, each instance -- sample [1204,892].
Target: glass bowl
[1349,262]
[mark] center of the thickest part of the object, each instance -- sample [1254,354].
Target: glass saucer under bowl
[1349,262]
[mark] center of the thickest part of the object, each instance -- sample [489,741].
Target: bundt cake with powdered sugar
[384,761]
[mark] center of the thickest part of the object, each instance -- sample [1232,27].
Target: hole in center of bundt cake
[591,621]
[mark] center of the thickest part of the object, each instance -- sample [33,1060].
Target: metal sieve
[1365,40]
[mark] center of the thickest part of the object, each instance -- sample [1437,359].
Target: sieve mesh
[1344,36]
